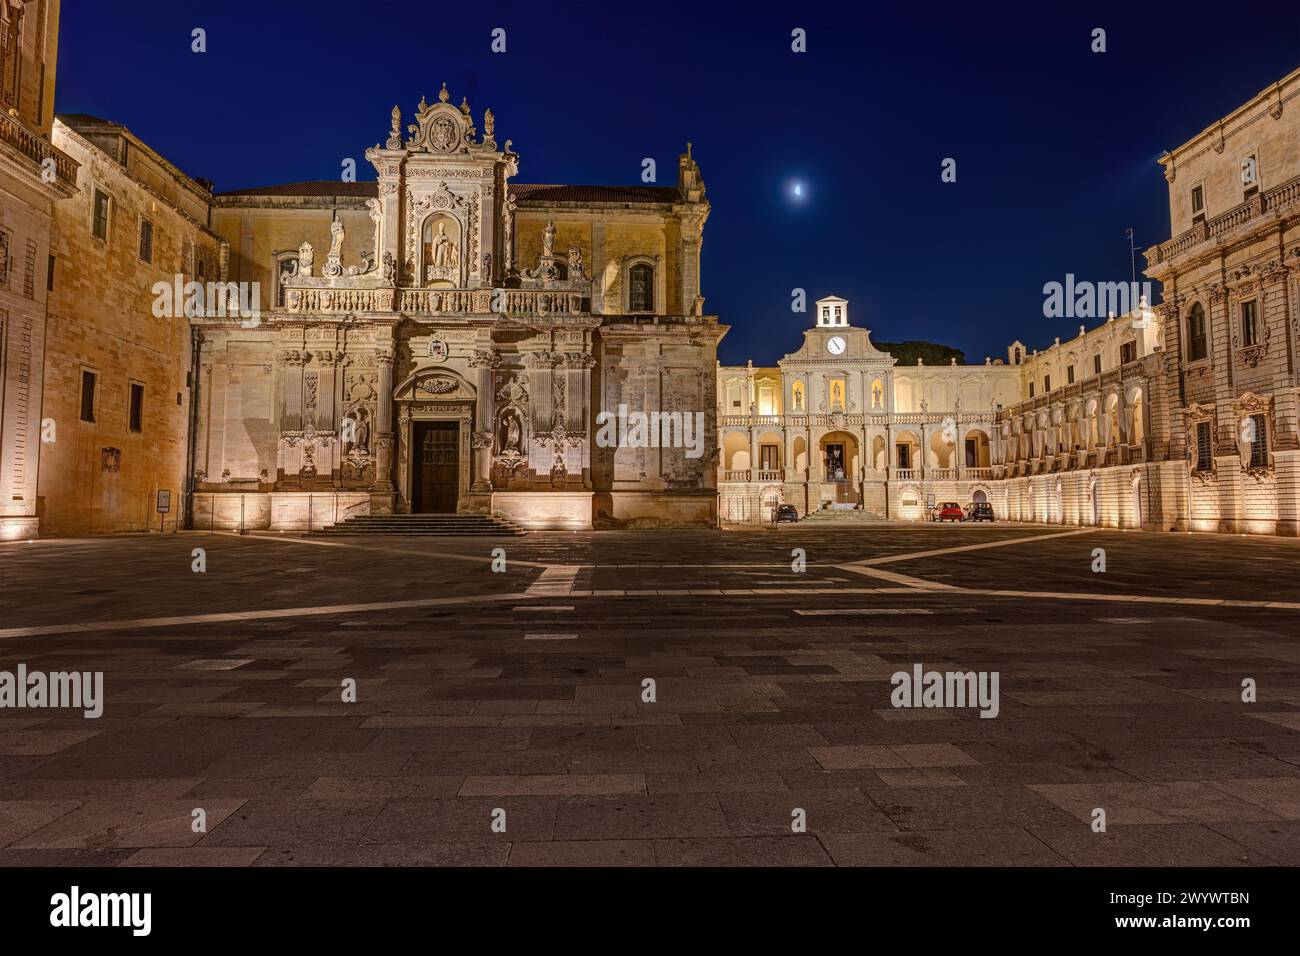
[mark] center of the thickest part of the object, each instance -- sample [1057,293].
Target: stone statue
[444,250]
[336,239]
[876,395]
[390,268]
[489,123]
[548,240]
[575,261]
[306,255]
[363,433]
[395,132]
[514,434]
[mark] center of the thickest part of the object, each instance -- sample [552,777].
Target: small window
[904,456]
[1249,326]
[641,283]
[1096,364]
[1047,384]
[99,224]
[49,275]
[201,269]
[1259,447]
[1249,175]
[288,267]
[1031,389]
[1198,203]
[87,396]
[1069,375]
[1204,450]
[1017,356]
[137,407]
[1128,352]
[1197,343]
[839,320]
[146,240]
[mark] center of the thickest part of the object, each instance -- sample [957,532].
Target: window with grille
[87,396]
[1197,343]
[137,407]
[1259,446]
[1204,447]
[146,240]
[99,224]
[1128,352]
[641,283]
[1249,324]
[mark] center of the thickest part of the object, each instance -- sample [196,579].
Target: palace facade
[1074,434]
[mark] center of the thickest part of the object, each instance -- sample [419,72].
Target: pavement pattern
[501,717]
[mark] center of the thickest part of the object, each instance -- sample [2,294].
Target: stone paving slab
[758,711]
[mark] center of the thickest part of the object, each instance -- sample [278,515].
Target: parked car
[787,513]
[980,511]
[951,511]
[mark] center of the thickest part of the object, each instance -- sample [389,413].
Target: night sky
[1055,146]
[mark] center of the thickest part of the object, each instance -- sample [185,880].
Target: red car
[951,511]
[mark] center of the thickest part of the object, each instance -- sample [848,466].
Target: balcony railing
[741,474]
[13,132]
[516,303]
[769,476]
[1274,200]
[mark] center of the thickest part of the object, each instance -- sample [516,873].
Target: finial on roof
[443,95]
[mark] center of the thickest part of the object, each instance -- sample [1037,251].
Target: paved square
[502,718]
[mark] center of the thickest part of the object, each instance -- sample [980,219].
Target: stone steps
[424,524]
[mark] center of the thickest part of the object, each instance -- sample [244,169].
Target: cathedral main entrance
[436,484]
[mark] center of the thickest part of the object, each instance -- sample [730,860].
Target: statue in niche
[513,433]
[837,395]
[444,250]
[877,395]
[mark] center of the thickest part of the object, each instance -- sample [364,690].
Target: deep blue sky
[1055,145]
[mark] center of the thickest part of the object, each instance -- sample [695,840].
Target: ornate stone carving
[334,259]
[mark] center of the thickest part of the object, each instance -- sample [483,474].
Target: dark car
[787,513]
[951,511]
[980,511]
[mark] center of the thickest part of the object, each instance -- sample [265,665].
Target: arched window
[641,288]
[1197,346]
[285,266]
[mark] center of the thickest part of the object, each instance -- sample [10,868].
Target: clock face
[835,345]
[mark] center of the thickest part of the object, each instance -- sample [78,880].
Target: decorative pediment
[441,384]
[443,129]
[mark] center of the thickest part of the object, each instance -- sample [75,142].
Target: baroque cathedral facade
[441,340]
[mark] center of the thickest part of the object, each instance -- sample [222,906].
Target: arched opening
[735,449]
[879,454]
[907,449]
[1094,505]
[980,497]
[440,248]
[769,457]
[800,455]
[840,467]
[975,451]
[1136,413]
[770,498]
[1136,492]
[941,452]
[1058,504]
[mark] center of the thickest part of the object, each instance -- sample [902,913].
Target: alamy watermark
[1093,300]
[235,300]
[946,689]
[624,429]
[78,690]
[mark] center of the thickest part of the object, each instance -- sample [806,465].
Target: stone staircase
[426,524]
[847,516]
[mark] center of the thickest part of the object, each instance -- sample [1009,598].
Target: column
[483,362]
[384,422]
